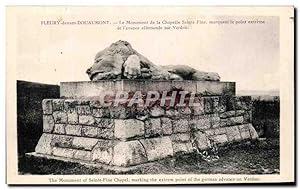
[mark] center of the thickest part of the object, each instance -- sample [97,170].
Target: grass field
[256,158]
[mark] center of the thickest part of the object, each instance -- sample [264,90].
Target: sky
[247,54]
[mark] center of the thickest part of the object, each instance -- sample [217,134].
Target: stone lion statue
[121,61]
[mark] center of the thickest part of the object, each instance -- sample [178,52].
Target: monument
[134,112]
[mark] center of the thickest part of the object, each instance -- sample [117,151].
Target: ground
[261,157]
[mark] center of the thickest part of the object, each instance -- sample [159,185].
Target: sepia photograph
[150,95]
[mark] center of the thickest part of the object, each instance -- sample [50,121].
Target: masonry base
[116,169]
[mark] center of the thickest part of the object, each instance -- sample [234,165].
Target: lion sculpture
[121,61]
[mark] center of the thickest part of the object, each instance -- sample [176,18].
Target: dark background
[30,113]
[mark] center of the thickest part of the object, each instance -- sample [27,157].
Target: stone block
[248,117]
[128,128]
[180,126]
[44,144]
[119,112]
[136,111]
[215,104]
[157,148]
[84,143]
[89,131]
[219,131]
[129,153]
[83,110]
[157,111]
[141,113]
[100,112]
[47,106]
[104,123]
[227,114]
[193,124]
[238,103]
[106,143]
[184,111]
[180,137]
[199,109]
[239,112]
[245,132]
[48,123]
[166,125]
[96,88]
[72,116]
[209,132]
[60,117]
[201,140]
[73,130]
[233,134]
[103,151]
[102,155]
[87,88]
[83,155]
[221,108]
[86,120]
[59,129]
[63,152]
[182,147]
[208,105]
[220,139]
[62,141]
[105,133]
[83,102]
[252,131]
[202,123]
[172,113]
[95,104]
[58,104]
[223,122]
[215,88]
[215,122]
[187,85]
[235,120]
[153,127]
[70,104]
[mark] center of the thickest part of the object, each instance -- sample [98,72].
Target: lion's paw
[132,67]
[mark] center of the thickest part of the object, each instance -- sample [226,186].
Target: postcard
[150,95]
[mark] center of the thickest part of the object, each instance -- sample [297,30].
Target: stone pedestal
[79,128]
[95,88]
